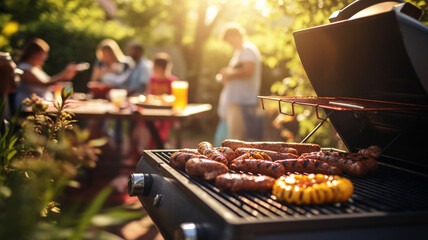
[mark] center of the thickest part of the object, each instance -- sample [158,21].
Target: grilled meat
[178,159]
[258,166]
[286,147]
[272,154]
[206,168]
[207,149]
[243,182]
[308,166]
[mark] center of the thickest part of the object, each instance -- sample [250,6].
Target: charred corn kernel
[312,189]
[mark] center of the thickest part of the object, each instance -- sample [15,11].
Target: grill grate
[388,190]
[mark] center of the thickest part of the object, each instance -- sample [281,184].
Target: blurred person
[34,79]
[140,75]
[137,84]
[241,79]
[160,81]
[9,81]
[112,67]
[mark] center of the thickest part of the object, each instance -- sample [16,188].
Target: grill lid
[381,57]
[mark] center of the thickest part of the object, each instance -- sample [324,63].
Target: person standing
[238,104]
[140,75]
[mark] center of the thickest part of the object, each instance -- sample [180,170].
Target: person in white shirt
[34,79]
[238,104]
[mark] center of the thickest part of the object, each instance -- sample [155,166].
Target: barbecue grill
[371,84]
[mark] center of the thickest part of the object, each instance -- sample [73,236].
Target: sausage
[206,168]
[243,182]
[258,166]
[178,159]
[272,154]
[273,146]
[371,152]
[228,153]
[253,155]
[308,166]
[354,164]
[207,149]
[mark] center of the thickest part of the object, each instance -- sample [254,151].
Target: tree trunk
[193,55]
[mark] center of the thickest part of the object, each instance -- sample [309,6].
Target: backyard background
[188,30]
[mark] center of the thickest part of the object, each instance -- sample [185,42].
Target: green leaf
[11,154]
[90,212]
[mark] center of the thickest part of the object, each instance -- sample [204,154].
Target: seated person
[140,75]
[160,83]
[112,67]
[34,79]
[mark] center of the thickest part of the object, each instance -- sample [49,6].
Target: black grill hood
[380,57]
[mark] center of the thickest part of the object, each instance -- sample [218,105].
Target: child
[160,82]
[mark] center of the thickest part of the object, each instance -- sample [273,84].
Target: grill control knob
[139,184]
[187,231]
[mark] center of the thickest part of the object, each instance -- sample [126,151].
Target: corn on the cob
[312,189]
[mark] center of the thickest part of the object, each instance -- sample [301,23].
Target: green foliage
[39,161]
[90,212]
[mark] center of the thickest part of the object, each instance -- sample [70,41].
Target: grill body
[388,205]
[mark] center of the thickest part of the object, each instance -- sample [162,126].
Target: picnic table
[104,109]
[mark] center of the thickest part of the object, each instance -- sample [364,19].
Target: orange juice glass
[180,91]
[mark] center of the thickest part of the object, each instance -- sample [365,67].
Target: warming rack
[340,104]
[331,104]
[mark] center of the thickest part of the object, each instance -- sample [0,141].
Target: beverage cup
[180,92]
[118,96]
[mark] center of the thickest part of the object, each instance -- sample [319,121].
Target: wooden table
[103,109]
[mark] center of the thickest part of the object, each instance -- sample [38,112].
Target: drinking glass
[118,96]
[180,91]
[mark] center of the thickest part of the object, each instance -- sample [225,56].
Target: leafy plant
[38,161]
